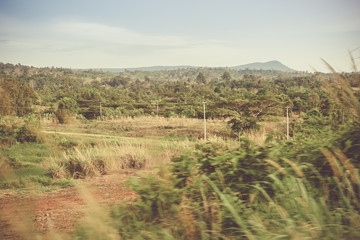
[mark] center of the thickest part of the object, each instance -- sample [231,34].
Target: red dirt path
[37,216]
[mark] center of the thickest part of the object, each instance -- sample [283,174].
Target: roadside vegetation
[248,180]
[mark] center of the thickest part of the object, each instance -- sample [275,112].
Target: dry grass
[296,169]
[259,137]
[276,166]
[335,167]
[340,90]
[104,158]
[155,140]
[354,177]
[169,149]
[96,224]
[145,126]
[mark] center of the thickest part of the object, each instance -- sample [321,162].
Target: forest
[229,93]
[251,178]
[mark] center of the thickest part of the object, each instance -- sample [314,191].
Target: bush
[24,134]
[7,135]
[244,124]
[291,189]
[236,169]
[66,109]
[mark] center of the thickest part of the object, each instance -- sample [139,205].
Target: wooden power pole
[287,123]
[204,121]
[157,109]
[100,111]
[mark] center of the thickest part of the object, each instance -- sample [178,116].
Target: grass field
[72,183]
[70,154]
[99,147]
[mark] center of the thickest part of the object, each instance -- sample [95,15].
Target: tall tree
[200,78]
[226,76]
[17,98]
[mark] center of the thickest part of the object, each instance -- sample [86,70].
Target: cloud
[78,36]
[82,43]
[73,32]
[99,33]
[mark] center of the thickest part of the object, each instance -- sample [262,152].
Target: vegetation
[246,181]
[177,93]
[253,192]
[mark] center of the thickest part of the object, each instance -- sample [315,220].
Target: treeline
[228,93]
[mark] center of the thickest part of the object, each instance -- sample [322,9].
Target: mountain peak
[270,65]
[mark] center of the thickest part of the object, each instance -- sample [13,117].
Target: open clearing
[30,213]
[58,211]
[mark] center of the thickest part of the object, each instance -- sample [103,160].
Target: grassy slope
[157,139]
[149,141]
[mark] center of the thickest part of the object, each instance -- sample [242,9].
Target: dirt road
[87,134]
[41,215]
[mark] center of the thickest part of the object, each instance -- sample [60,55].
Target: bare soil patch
[40,215]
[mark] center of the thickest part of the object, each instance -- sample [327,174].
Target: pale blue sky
[135,33]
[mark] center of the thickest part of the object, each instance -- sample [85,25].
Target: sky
[213,33]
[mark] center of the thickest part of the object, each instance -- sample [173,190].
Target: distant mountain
[150,69]
[272,65]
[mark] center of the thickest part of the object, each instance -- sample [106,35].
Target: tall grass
[22,167]
[145,126]
[296,211]
[249,193]
[102,159]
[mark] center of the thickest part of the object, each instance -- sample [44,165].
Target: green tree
[67,107]
[200,78]
[17,98]
[5,102]
[226,76]
[313,100]
[243,124]
[68,104]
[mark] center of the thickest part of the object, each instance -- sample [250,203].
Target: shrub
[67,143]
[243,124]
[288,189]
[67,107]
[24,134]
[7,135]
[16,131]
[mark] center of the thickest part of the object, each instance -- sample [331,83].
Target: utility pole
[287,122]
[157,108]
[100,111]
[204,121]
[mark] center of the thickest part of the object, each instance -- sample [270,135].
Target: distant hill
[150,69]
[272,65]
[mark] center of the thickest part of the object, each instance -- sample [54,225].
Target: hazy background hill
[150,69]
[271,65]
